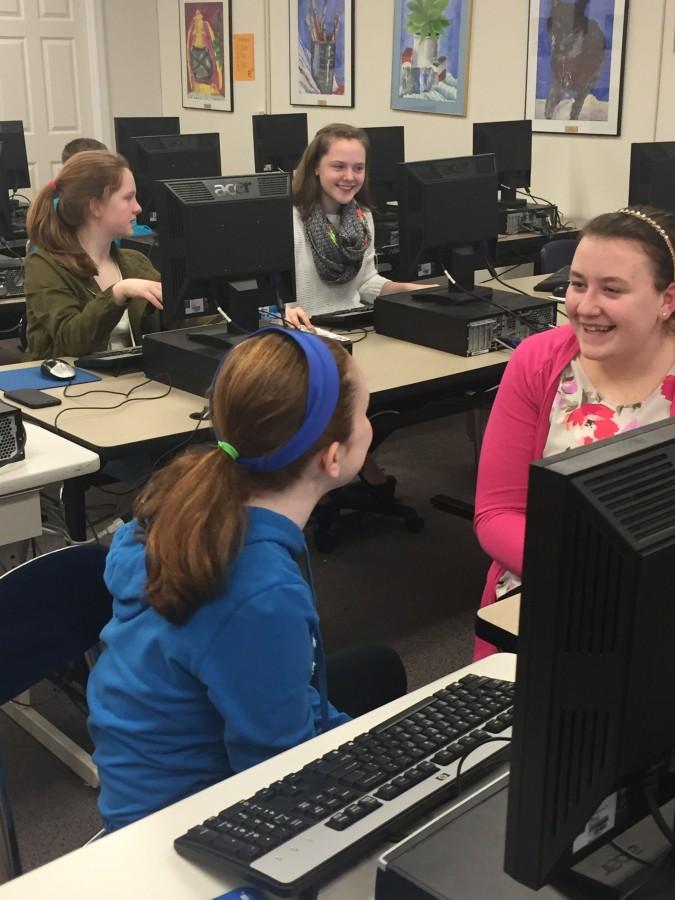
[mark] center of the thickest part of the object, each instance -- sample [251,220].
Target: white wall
[585,175]
[131,34]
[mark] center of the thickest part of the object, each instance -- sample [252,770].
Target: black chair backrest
[554,255]
[52,610]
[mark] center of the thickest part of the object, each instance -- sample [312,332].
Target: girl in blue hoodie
[214,649]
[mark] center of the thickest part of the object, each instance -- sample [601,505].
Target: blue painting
[575,65]
[321,52]
[430,56]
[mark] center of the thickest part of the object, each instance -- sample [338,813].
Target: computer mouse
[58,368]
[560,291]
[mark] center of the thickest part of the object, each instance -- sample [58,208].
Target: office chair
[52,610]
[554,255]
[355,501]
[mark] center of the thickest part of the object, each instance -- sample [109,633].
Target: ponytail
[193,512]
[63,206]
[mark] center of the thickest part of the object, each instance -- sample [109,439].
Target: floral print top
[580,416]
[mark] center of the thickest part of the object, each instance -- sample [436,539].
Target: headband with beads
[636,213]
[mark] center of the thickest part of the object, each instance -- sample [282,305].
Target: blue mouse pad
[14,379]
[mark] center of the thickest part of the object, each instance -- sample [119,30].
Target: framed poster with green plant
[206,54]
[430,59]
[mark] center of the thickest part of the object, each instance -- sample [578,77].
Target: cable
[627,853]
[11,331]
[530,325]
[462,760]
[127,398]
[656,813]
[4,243]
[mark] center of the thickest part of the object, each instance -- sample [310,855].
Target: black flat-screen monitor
[594,717]
[226,242]
[511,143]
[386,150]
[652,175]
[154,158]
[127,127]
[14,158]
[6,230]
[279,141]
[447,213]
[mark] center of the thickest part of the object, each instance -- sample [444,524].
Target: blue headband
[323,390]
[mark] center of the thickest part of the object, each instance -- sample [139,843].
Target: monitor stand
[460,856]
[463,270]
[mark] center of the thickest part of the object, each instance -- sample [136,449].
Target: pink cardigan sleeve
[509,446]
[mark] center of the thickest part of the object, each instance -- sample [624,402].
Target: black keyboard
[561,278]
[129,359]
[313,824]
[355,317]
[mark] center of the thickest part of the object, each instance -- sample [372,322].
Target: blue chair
[52,610]
[554,255]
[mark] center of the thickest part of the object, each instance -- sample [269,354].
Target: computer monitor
[594,717]
[226,242]
[511,143]
[154,158]
[14,159]
[385,151]
[447,211]
[6,230]
[127,127]
[279,141]
[652,175]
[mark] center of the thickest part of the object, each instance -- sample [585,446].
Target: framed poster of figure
[575,65]
[321,59]
[206,54]
[430,56]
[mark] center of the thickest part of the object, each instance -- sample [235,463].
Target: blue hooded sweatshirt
[176,708]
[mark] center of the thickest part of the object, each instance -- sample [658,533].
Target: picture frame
[206,54]
[430,56]
[321,52]
[575,64]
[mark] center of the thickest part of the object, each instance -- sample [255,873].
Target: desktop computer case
[12,434]
[466,328]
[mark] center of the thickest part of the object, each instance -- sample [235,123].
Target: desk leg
[73,496]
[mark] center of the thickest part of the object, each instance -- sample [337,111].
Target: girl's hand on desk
[127,288]
[298,317]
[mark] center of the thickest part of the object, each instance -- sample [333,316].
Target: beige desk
[48,459]
[139,861]
[498,623]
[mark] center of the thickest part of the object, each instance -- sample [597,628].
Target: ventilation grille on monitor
[273,185]
[594,578]
[583,746]
[191,191]
[640,495]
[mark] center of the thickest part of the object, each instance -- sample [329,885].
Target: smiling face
[116,214]
[341,172]
[613,305]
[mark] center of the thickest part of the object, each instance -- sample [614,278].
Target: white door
[52,76]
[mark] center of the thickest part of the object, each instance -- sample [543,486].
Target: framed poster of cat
[575,65]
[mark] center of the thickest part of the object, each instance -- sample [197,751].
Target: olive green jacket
[69,316]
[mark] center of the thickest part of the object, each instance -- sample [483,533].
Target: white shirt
[317,296]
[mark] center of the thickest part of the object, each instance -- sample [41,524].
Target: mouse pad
[32,377]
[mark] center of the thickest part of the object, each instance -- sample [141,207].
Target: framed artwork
[321,43]
[206,54]
[430,58]
[575,65]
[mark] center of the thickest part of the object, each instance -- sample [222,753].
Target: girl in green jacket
[83,294]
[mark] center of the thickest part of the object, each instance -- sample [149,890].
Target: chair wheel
[415,524]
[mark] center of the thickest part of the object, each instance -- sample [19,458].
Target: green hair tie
[229,449]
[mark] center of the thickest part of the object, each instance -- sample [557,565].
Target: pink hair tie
[52,185]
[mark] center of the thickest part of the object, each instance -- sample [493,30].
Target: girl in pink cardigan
[612,368]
